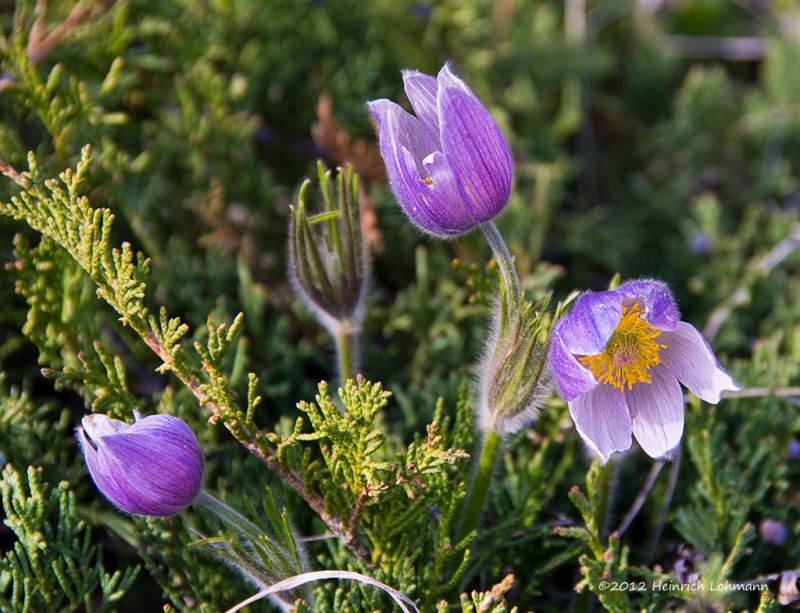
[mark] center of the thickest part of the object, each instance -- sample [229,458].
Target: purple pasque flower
[151,467]
[450,166]
[617,359]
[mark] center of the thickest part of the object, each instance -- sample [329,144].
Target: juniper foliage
[54,565]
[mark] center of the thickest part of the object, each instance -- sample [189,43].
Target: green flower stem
[605,483]
[511,298]
[347,353]
[227,515]
[492,444]
[492,441]
[510,292]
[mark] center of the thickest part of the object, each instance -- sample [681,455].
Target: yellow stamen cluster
[630,353]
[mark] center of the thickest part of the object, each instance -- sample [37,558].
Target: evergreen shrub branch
[56,209]
[54,565]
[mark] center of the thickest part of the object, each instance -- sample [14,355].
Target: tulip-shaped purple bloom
[151,467]
[618,357]
[450,166]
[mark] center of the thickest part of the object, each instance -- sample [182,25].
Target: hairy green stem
[347,353]
[226,514]
[510,293]
[492,443]
[510,298]
[490,450]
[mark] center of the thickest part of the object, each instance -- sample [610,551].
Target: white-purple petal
[661,311]
[403,148]
[152,467]
[657,412]
[446,206]
[588,327]
[691,359]
[602,419]
[474,147]
[421,90]
[572,378]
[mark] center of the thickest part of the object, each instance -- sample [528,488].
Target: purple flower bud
[450,166]
[151,467]
[773,532]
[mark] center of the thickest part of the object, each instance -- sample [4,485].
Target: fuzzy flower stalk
[328,261]
[450,169]
[151,467]
[619,358]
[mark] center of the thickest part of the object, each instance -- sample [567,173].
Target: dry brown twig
[41,42]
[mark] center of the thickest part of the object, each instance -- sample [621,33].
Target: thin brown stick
[640,498]
[761,392]
[672,483]
[40,44]
[730,48]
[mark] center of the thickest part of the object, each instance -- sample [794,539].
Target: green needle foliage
[54,564]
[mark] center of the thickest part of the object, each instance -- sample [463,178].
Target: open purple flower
[450,166]
[151,467]
[618,357]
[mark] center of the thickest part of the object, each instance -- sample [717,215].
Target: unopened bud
[151,467]
[514,378]
[328,262]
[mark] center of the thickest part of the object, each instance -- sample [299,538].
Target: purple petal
[165,474]
[572,377]
[659,304]
[657,412]
[588,327]
[421,91]
[474,147]
[690,357]
[107,475]
[403,147]
[446,206]
[398,129]
[602,419]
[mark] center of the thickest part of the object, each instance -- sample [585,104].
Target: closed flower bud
[151,467]
[449,167]
[514,379]
[328,262]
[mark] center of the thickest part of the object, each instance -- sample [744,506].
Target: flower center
[630,353]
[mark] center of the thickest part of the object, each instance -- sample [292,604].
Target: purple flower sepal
[450,166]
[151,467]
[618,359]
